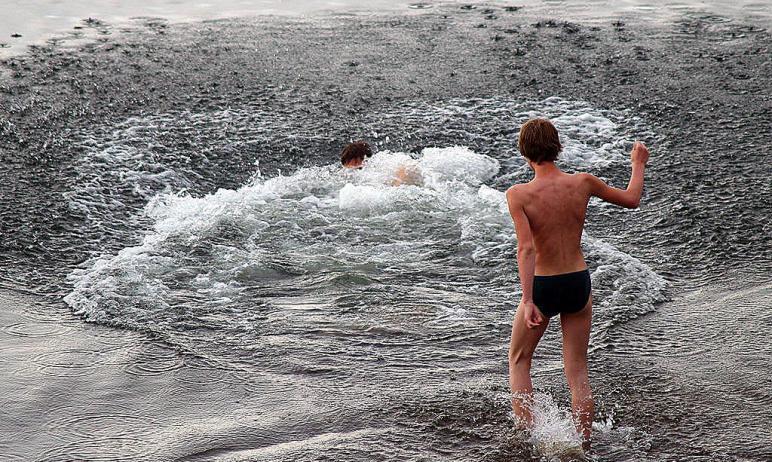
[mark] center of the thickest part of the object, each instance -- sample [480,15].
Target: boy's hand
[639,153]
[532,316]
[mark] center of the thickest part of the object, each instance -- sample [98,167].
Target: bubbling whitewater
[218,262]
[371,288]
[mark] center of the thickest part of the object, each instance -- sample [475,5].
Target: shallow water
[311,313]
[38,21]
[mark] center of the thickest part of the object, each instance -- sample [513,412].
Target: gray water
[263,304]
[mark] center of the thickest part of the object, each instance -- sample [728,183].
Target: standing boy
[549,214]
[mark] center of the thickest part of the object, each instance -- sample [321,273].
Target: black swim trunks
[562,293]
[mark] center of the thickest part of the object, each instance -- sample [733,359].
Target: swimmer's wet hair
[539,141]
[355,150]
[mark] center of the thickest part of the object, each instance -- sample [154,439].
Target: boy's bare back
[556,207]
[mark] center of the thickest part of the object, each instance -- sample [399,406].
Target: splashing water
[126,164]
[553,433]
[340,241]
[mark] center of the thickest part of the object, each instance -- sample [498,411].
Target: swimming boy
[548,213]
[354,154]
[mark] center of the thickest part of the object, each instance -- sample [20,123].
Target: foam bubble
[458,163]
[623,286]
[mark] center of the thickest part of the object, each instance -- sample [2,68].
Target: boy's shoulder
[515,188]
[516,191]
[586,180]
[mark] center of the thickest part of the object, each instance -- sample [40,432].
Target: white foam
[126,164]
[457,163]
[624,287]
[382,167]
[553,433]
[272,210]
[304,231]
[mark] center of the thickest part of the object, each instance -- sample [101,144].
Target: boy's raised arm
[630,197]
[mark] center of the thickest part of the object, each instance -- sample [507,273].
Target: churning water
[236,267]
[378,297]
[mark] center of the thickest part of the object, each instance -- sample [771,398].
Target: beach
[187,276]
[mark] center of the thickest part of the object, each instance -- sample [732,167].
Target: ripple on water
[153,359]
[9,456]
[106,423]
[67,363]
[200,372]
[35,329]
[109,448]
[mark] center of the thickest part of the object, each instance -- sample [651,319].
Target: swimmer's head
[539,141]
[354,154]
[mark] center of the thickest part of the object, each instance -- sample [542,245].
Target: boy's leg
[521,348]
[576,336]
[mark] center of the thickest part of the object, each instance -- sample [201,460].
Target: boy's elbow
[633,204]
[525,249]
[631,200]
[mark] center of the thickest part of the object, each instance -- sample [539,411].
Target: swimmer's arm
[400,176]
[526,257]
[631,197]
[406,174]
